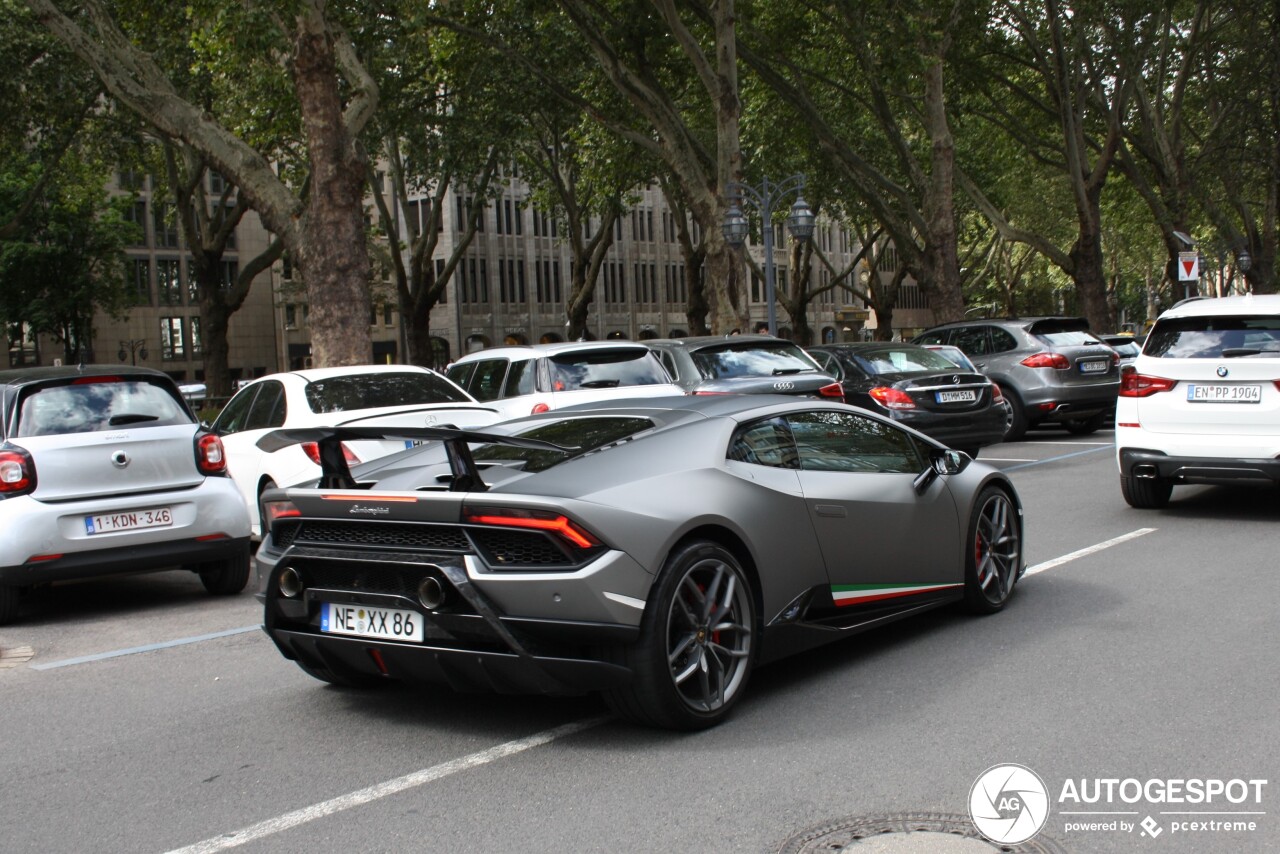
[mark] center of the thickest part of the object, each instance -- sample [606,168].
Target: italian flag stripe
[858,594]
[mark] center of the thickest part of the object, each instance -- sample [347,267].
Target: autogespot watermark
[1010,804]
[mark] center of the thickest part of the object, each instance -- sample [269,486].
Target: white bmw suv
[1201,403]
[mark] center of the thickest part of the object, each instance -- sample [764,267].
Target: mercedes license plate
[963,396]
[365,622]
[156,517]
[1222,393]
[1097,366]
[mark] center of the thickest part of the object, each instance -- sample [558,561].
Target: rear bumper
[1144,463]
[955,430]
[149,557]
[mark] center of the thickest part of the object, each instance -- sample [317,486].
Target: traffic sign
[1188,266]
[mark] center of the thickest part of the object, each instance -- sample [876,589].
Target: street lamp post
[134,347]
[763,198]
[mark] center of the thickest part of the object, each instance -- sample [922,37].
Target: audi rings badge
[783,386]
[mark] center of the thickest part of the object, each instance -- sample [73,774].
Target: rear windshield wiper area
[600,384]
[786,372]
[130,418]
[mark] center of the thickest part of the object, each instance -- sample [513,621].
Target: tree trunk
[333,259]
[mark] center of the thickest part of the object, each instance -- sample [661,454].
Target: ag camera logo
[1009,804]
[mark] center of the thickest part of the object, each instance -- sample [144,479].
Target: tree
[335,98]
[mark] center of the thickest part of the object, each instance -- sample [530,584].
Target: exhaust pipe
[1145,471]
[290,583]
[431,593]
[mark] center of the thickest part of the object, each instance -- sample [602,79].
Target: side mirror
[948,461]
[942,462]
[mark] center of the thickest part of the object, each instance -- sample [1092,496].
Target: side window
[842,441]
[764,443]
[972,340]
[486,382]
[268,408]
[829,363]
[668,363]
[461,374]
[520,378]
[939,337]
[1002,341]
[235,415]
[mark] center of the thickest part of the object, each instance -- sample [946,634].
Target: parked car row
[90,481]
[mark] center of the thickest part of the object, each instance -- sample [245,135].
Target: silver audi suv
[104,470]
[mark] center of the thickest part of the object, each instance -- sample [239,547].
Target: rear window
[1214,337]
[581,435]
[373,391]
[902,360]
[1064,332]
[606,369]
[90,405]
[752,360]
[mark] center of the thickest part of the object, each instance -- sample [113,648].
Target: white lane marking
[1008,460]
[66,662]
[1052,442]
[381,790]
[1088,550]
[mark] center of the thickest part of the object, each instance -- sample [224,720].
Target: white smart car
[362,395]
[1201,403]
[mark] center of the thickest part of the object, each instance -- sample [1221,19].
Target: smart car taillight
[17,472]
[892,398]
[1134,384]
[211,457]
[312,450]
[1047,360]
[538,520]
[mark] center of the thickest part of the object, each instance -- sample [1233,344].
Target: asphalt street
[141,715]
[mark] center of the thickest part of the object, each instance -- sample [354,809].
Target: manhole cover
[907,833]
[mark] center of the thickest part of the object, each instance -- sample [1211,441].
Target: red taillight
[539,520]
[539,408]
[211,457]
[17,472]
[1134,384]
[1048,360]
[312,450]
[274,510]
[996,394]
[892,398]
[832,390]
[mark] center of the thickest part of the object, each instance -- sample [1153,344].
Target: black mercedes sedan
[919,388]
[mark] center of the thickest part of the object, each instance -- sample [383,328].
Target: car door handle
[829,510]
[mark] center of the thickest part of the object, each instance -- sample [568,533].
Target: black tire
[10,602]
[225,577]
[993,552]
[1015,422]
[698,642]
[1085,426]
[263,528]
[1146,493]
[324,674]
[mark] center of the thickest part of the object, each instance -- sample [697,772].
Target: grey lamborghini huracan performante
[653,550]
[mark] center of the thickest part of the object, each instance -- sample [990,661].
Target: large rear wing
[336,474]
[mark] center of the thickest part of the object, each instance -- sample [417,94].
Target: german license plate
[156,517]
[1098,366]
[962,396]
[1221,393]
[365,622]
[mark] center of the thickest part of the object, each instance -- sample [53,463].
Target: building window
[227,274]
[141,281]
[169,280]
[197,345]
[172,348]
[165,221]
[217,184]
[137,215]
